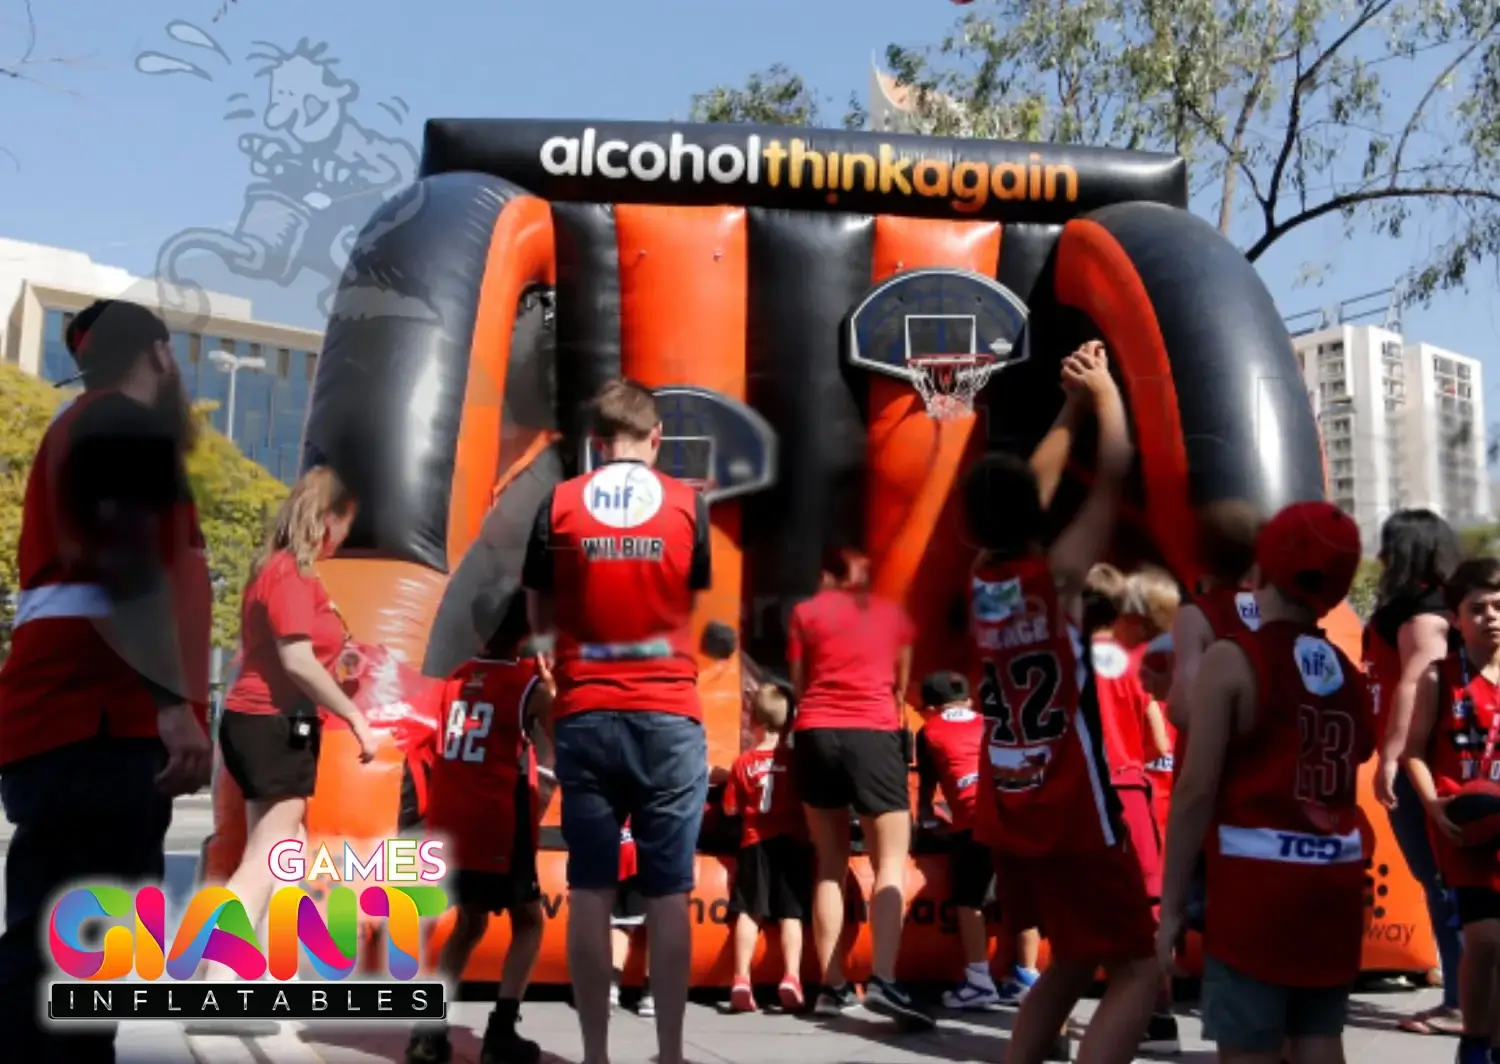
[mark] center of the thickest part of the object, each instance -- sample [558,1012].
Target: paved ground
[714,1037]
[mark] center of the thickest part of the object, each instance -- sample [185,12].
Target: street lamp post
[232,364]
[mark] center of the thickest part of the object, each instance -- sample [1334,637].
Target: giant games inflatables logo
[795,164]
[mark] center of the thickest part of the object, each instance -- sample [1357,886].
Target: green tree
[1366,583]
[1379,112]
[235,499]
[771,97]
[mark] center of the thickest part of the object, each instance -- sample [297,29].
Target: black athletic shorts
[271,755]
[1473,904]
[858,768]
[496,892]
[773,880]
[630,906]
[971,872]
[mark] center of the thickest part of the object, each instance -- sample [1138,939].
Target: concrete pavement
[717,1038]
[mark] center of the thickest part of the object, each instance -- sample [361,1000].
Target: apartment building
[1402,425]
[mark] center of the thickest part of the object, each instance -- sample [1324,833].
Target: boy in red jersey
[482,799]
[1450,750]
[1047,806]
[948,750]
[1281,724]
[773,876]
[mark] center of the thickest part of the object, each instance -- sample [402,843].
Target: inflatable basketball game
[818,309]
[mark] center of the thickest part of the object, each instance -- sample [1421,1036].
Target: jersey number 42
[1020,704]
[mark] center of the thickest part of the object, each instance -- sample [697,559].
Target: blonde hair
[1154,596]
[769,707]
[300,527]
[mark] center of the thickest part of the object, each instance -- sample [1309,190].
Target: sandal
[1439,1021]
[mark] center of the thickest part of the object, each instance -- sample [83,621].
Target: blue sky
[112,162]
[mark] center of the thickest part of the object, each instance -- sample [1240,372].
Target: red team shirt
[482,786]
[1122,707]
[1285,854]
[951,743]
[281,603]
[1455,754]
[1043,776]
[848,650]
[1227,610]
[623,534]
[760,790]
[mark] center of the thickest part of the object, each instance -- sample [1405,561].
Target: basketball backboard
[719,444]
[936,311]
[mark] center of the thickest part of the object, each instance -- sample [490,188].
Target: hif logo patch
[1318,665]
[996,602]
[1110,660]
[1249,610]
[623,495]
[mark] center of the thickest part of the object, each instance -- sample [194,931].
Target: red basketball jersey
[1044,780]
[760,791]
[483,782]
[1228,610]
[1285,854]
[954,742]
[1462,750]
[1122,708]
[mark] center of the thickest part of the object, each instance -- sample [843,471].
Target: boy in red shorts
[1047,805]
[481,799]
[1281,723]
[1451,751]
[773,876]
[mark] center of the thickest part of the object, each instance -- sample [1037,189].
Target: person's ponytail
[848,570]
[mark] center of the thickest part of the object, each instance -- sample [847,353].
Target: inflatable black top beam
[801,169]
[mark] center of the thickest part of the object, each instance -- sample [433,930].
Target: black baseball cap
[944,688]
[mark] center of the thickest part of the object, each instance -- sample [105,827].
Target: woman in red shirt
[850,660]
[291,638]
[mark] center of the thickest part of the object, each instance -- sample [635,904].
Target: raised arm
[1050,458]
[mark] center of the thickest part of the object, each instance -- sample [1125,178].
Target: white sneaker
[647,1006]
[972,996]
[614,996]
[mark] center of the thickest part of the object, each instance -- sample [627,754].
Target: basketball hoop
[949,383]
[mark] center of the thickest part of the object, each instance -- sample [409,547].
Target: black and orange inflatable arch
[534,260]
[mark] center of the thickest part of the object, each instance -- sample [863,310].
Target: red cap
[1310,552]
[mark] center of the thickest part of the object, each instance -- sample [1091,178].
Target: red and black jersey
[760,792]
[1462,751]
[622,549]
[949,747]
[1122,708]
[69,676]
[1285,855]
[1227,610]
[1381,643]
[482,785]
[1044,781]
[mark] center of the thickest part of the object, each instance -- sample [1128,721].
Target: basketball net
[948,384]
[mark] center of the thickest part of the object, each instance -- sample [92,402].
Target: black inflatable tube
[1246,420]
[388,399]
[761,166]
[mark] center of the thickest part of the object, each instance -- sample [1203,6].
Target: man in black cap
[103,697]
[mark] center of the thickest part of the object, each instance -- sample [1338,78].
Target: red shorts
[1092,907]
[1145,838]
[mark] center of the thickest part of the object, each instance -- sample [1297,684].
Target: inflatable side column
[1219,411]
[407,408]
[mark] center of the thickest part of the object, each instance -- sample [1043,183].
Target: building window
[195,348]
[67,322]
[1463,371]
[283,362]
[255,351]
[312,366]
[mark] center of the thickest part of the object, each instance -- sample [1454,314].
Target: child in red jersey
[1047,805]
[482,801]
[1450,751]
[948,749]
[627,927]
[773,876]
[1281,723]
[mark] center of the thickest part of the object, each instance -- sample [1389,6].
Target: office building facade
[1402,425]
[48,286]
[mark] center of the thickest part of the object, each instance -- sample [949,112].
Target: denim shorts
[649,768]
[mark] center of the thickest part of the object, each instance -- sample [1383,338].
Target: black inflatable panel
[530,400]
[588,310]
[489,576]
[1246,420]
[388,398]
[805,272]
[761,166]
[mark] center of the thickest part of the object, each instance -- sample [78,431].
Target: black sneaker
[429,1047]
[1161,1035]
[502,1045]
[835,1000]
[893,1002]
[1062,1050]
